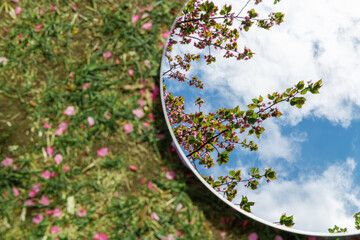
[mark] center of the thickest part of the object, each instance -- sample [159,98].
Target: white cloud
[317,202]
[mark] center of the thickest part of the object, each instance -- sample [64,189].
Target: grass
[55,60]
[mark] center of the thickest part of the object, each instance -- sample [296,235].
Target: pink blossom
[151,117]
[154,216]
[58,158]
[44,201]
[147,63]
[49,151]
[57,212]
[6,162]
[70,110]
[18,10]
[54,8]
[161,45]
[107,115]
[54,230]
[46,174]
[143,181]
[41,11]
[138,113]
[146,125]
[59,131]
[49,212]
[33,193]
[166,34]
[133,168]
[141,10]
[131,72]
[90,121]
[107,54]
[85,86]
[278,237]
[149,8]
[3,60]
[100,236]
[128,127]
[147,25]
[16,191]
[170,175]
[15,1]
[117,61]
[179,207]
[38,27]
[141,103]
[75,7]
[179,233]
[150,185]
[81,213]
[37,219]
[253,236]
[66,168]
[20,35]
[135,18]
[155,92]
[71,75]
[102,152]
[144,15]
[29,202]
[46,126]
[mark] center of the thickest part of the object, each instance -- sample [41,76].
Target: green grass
[35,88]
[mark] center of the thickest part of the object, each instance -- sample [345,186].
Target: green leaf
[300,85]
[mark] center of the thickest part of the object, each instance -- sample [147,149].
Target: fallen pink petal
[57,212]
[91,121]
[85,86]
[18,10]
[54,8]
[6,162]
[133,168]
[253,236]
[46,174]
[46,126]
[179,207]
[29,202]
[66,168]
[38,219]
[107,54]
[147,63]
[141,103]
[49,151]
[69,111]
[154,216]
[71,75]
[170,175]
[166,34]
[102,152]
[100,236]
[81,213]
[128,127]
[135,18]
[41,11]
[49,212]
[16,191]
[3,60]
[138,113]
[160,135]
[54,230]
[44,201]
[58,158]
[147,25]
[131,72]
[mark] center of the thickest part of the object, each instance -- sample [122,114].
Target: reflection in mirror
[264,97]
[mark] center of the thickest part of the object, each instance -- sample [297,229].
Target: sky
[314,150]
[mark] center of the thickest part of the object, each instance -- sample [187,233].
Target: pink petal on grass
[128,127]
[253,236]
[71,75]
[152,117]
[15,1]
[166,34]
[38,219]
[18,10]
[58,158]
[29,202]
[66,168]
[75,7]
[150,185]
[69,111]
[54,230]
[41,11]
[46,126]
[49,151]
[59,131]
[107,54]
[38,27]
[170,175]
[135,18]
[160,135]
[91,121]
[16,191]
[6,162]
[100,236]
[147,25]
[133,168]
[179,207]
[131,72]
[154,216]
[46,174]
[85,86]
[3,60]
[81,213]
[147,63]
[149,8]
[49,212]
[102,152]
[138,113]
[44,201]
[54,8]
[141,103]
[33,193]
[57,212]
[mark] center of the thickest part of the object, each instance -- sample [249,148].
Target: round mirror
[262,99]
